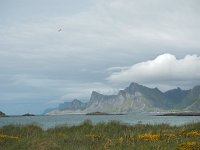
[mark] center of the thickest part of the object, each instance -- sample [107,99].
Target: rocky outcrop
[2,114]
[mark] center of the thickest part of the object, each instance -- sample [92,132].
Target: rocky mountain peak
[96,95]
[133,87]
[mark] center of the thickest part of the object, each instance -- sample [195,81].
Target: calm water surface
[52,121]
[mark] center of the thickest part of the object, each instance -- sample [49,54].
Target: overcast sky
[103,45]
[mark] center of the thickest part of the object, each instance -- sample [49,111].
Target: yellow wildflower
[149,136]
[192,133]
[6,137]
[192,145]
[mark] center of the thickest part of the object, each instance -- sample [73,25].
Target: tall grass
[112,135]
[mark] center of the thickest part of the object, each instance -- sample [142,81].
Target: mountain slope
[175,96]
[191,98]
[194,107]
[154,95]
[134,98]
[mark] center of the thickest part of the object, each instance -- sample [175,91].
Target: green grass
[112,135]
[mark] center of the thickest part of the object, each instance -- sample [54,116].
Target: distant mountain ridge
[74,105]
[135,98]
[67,107]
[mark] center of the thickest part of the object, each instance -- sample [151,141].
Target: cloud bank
[39,64]
[164,68]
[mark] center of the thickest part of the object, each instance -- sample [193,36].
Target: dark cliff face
[176,96]
[97,97]
[191,97]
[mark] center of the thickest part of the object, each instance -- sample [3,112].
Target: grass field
[101,136]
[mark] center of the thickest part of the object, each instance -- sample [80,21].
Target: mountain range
[134,98]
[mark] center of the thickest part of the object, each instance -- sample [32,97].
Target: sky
[55,51]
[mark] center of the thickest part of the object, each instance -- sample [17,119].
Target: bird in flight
[59,30]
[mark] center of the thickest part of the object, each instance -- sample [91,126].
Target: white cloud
[164,68]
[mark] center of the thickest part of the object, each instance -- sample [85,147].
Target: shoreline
[180,114]
[88,121]
[102,113]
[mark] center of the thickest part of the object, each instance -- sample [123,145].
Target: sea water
[136,118]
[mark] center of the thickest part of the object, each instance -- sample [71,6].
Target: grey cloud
[34,56]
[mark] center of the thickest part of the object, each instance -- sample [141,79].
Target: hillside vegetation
[102,136]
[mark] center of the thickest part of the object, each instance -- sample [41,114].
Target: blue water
[51,121]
